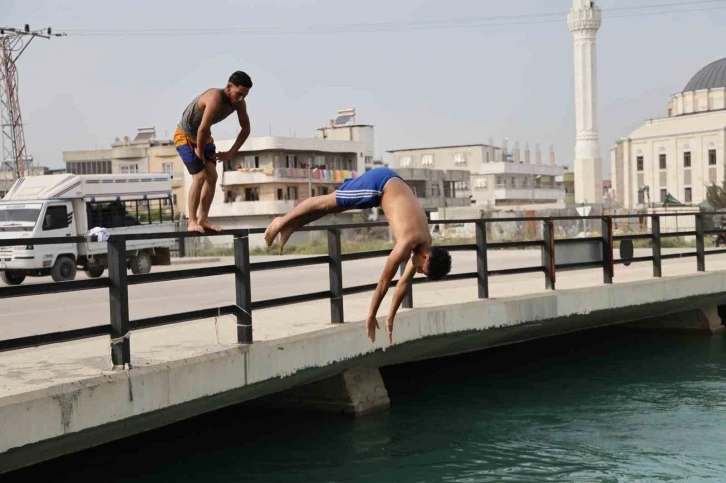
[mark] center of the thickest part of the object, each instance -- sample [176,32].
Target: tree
[716,195]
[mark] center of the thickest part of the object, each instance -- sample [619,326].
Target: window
[291,161]
[712,157]
[252,194]
[687,160]
[117,214]
[129,169]
[291,193]
[319,161]
[481,184]
[435,190]
[427,160]
[689,196]
[249,162]
[369,159]
[459,159]
[324,190]
[279,193]
[639,160]
[406,162]
[641,197]
[168,169]
[663,194]
[662,161]
[56,218]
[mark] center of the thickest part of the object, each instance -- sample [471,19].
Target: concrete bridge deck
[64,397]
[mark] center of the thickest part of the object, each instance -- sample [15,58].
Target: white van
[72,205]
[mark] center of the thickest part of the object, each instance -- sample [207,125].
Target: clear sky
[452,82]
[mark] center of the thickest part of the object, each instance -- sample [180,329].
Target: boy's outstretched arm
[400,253]
[398,294]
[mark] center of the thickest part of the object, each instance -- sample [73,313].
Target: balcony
[270,175]
[521,168]
[252,176]
[177,179]
[251,208]
[436,203]
[527,194]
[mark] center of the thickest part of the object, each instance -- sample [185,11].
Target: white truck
[69,205]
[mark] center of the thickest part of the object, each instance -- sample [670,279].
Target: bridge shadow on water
[603,405]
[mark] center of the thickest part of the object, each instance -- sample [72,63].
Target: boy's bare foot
[284,236]
[272,230]
[205,224]
[194,226]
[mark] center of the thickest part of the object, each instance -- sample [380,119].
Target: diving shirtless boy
[385,188]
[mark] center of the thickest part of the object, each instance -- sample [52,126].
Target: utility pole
[13,43]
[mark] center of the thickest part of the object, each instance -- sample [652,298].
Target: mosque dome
[712,76]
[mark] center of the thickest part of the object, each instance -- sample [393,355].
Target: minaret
[584,21]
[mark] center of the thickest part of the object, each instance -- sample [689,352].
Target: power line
[526,19]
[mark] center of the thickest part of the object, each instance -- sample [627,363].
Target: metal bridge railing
[118,280]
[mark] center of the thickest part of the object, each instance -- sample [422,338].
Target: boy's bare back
[405,215]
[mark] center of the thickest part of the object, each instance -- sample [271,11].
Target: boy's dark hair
[439,263]
[239,78]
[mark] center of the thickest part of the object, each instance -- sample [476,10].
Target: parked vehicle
[73,205]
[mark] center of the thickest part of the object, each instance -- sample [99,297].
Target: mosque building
[676,157]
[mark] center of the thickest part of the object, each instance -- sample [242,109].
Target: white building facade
[497,180]
[679,155]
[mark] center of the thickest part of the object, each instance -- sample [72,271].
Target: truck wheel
[94,271]
[12,278]
[141,263]
[64,270]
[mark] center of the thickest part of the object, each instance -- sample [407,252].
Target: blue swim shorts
[365,191]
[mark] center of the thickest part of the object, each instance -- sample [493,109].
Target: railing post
[608,264]
[243,288]
[182,247]
[549,254]
[482,269]
[407,302]
[655,231]
[335,270]
[700,248]
[118,295]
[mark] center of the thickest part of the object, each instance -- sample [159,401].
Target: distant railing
[118,281]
